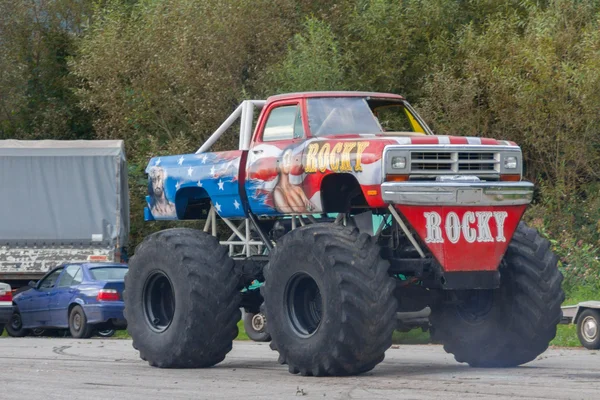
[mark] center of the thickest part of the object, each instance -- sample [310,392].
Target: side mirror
[32,284]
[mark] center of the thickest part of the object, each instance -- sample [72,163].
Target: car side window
[67,279]
[283,123]
[50,281]
[78,277]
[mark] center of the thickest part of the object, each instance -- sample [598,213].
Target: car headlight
[510,162]
[398,162]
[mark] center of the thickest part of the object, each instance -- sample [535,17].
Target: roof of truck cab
[305,95]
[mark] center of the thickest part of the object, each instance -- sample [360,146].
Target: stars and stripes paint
[281,177]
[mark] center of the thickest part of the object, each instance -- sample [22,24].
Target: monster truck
[296,203]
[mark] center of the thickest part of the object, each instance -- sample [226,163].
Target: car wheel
[255,326]
[38,332]
[15,325]
[106,333]
[78,325]
[588,329]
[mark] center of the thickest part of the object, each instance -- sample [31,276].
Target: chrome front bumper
[457,193]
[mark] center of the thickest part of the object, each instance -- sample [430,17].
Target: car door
[274,167]
[39,304]
[61,296]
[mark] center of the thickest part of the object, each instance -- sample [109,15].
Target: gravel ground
[45,368]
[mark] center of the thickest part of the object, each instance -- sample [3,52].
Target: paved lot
[41,368]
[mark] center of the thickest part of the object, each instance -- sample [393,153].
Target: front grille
[454,162]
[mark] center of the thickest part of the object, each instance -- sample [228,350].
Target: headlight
[510,162]
[398,162]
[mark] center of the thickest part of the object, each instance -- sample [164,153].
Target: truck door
[274,168]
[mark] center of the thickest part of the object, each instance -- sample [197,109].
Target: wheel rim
[258,322]
[589,329]
[15,322]
[304,305]
[476,305]
[77,322]
[159,302]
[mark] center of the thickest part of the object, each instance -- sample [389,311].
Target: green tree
[36,90]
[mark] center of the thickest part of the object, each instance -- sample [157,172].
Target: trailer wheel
[588,329]
[14,328]
[182,300]
[513,324]
[329,301]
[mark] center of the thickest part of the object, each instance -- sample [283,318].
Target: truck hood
[408,138]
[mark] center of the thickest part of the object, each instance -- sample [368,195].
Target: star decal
[190,171]
[199,184]
[178,185]
[221,184]
[157,162]
[180,161]
[218,207]
[212,170]
[236,204]
[204,158]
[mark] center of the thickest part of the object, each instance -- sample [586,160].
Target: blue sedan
[83,298]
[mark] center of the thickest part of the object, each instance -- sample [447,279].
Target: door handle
[257,151]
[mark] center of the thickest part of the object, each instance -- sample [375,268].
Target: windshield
[340,116]
[108,273]
[356,115]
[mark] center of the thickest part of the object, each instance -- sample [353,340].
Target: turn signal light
[396,178]
[510,178]
[108,295]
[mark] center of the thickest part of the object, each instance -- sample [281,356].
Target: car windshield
[108,273]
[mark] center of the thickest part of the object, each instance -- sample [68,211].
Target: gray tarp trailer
[60,201]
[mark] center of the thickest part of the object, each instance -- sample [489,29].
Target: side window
[50,281]
[67,278]
[78,277]
[284,123]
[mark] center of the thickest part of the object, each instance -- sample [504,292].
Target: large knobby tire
[182,300]
[329,301]
[14,328]
[588,329]
[78,325]
[511,325]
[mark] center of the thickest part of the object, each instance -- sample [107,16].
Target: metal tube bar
[406,231]
[312,219]
[214,222]
[240,226]
[208,219]
[234,243]
[383,222]
[266,241]
[231,226]
[247,239]
[220,130]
